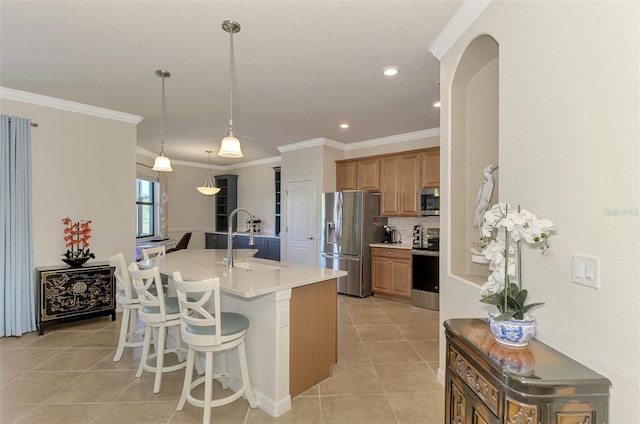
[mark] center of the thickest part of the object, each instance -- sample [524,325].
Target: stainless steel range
[425,290]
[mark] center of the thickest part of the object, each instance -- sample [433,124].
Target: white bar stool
[205,329]
[127,298]
[157,312]
[152,252]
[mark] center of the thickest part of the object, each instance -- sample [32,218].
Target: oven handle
[425,252]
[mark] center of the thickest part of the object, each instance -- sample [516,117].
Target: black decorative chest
[66,294]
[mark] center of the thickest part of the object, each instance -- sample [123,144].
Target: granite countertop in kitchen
[402,245]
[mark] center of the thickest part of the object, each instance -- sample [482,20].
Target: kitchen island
[292,338]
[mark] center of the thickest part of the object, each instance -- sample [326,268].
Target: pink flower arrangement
[76,239]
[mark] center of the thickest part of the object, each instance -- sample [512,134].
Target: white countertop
[392,245]
[263,277]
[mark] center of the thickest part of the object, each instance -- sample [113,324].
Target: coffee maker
[391,235]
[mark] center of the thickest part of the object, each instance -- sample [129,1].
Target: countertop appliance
[430,202]
[425,271]
[350,222]
[391,235]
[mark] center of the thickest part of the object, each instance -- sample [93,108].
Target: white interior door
[301,222]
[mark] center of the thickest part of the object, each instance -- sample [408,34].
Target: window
[145,208]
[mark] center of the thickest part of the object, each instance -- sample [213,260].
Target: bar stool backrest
[152,252]
[148,286]
[199,310]
[124,290]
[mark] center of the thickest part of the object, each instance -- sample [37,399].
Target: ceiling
[301,67]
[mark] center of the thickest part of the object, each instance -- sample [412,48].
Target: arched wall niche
[474,145]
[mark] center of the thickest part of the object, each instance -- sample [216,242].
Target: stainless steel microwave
[430,202]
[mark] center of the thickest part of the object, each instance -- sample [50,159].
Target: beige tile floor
[386,373]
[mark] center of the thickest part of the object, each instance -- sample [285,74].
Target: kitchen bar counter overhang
[292,338]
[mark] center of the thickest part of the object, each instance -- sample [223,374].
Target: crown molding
[274,159]
[52,102]
[399,138]
[309,143]
[461,21]
[433,132]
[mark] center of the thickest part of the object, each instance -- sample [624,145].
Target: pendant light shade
[230,145]
[162,163]
[208,189]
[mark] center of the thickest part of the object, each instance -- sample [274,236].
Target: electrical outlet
[585,270]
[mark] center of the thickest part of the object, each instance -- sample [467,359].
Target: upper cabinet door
[368,174]
[389,182]
[430,169]
[409,189]
[346,176]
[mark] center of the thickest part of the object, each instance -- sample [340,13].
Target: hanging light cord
[231,60]
[209,183]
[164,111]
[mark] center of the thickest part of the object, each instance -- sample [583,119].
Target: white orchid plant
[503,229]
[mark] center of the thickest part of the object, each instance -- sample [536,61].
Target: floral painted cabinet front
[73,293]
[487,382]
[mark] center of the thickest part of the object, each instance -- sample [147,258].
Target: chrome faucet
[230,235]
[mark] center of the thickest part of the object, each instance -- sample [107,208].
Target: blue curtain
[17,290]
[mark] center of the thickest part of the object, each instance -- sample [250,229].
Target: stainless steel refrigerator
[350,222]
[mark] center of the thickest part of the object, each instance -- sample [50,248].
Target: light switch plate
[585,270]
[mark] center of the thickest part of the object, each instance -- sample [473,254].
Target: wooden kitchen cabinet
[346,172]
[430,168]
[399,185]
[360,174]
[368,174]
[490,383]
[391,272]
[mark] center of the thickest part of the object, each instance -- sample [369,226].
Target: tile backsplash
[405,225]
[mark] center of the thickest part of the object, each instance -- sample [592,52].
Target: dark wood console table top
[489,382]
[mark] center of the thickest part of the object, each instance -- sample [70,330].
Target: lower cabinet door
[577,413]
[272,249]
[464,407]
[456,405]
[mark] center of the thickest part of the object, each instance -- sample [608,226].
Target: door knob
[309,238]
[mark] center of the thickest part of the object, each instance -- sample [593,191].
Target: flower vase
[75,262]
[512,332]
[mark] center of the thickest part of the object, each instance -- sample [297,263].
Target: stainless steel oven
[425,290]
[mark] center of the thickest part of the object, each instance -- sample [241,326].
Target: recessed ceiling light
[436,104]
[390,71]
[345,125]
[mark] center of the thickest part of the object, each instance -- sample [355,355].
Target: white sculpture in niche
[482,205]
[484,195]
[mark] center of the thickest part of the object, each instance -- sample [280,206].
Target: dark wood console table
[490,383]
[66,293]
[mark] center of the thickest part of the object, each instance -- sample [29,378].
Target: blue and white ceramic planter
[512,332]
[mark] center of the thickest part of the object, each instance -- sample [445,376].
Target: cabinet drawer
[391,253]
[486,391]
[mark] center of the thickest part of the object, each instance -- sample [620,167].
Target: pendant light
[162,163]
[208,189]
[230,145]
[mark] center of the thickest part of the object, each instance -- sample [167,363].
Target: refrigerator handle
[339,219]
